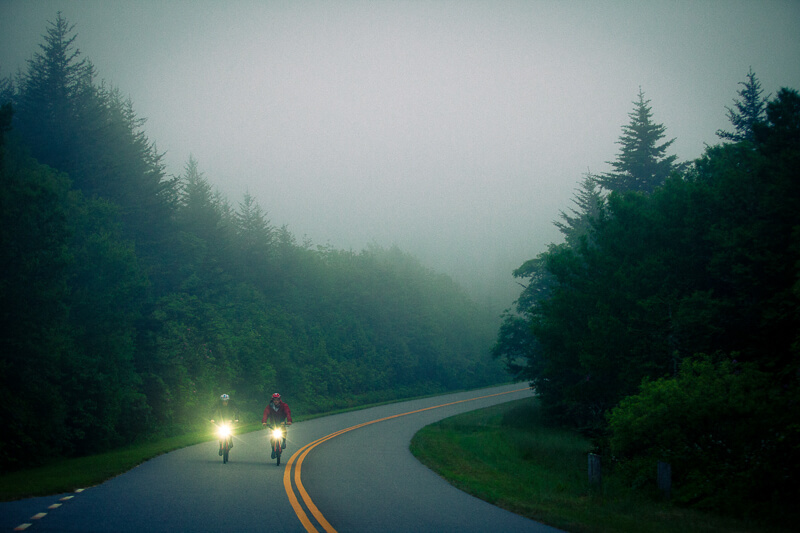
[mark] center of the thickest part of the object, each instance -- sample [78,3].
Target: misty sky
[456,130]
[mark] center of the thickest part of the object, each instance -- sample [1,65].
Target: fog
[454,130]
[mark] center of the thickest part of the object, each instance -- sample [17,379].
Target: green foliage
[705,263]
[750,110]
[727,428]
[108,291]
[56,103]
[589,202]
[642,164]
[34,237]
[132,300]
[6,112]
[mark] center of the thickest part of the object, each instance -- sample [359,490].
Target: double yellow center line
[296,462]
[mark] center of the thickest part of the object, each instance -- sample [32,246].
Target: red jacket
[277,413]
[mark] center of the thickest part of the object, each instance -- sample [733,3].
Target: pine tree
[642,164]
[206,224]
[254,237]
[199,211]
[589,201]
[750,110]
[92,133]
[56,99]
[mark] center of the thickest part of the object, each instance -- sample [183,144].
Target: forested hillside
[667,325]
[131,299]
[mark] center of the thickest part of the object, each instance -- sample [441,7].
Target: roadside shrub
[729,430]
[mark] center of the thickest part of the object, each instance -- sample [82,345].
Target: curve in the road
[296,464]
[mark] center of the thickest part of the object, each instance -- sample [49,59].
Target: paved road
[364,479]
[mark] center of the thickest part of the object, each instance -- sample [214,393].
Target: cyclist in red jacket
[276,412]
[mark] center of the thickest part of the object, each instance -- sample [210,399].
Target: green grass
[506,456]
[69,474]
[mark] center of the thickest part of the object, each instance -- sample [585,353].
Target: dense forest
[666,326]
[131,299]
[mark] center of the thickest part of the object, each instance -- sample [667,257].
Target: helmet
[224,397]
[276,396]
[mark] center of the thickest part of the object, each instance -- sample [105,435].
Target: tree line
[666,326]
[131,299]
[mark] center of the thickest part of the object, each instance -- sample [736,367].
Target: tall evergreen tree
[749,110]
[577,222]
[255,237]
[642,164]
[92,133]
[206,224]
[56,96]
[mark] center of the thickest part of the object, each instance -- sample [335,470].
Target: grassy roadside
[70,474]
[504,455]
